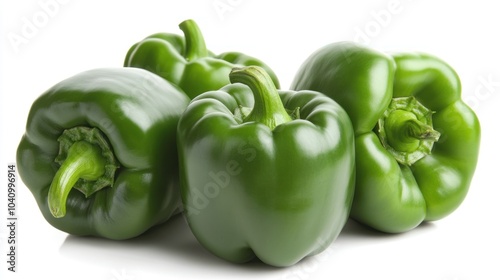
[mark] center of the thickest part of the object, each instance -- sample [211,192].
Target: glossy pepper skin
[269,176]
[187,62]
[417,142]
[112,131]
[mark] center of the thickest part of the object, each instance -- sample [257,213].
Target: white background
[73,36]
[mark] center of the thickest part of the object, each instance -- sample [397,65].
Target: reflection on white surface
[168,249]
[171,249]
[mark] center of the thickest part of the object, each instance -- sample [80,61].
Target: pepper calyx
[86,163]
[405,130]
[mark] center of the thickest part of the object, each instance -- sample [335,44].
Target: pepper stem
[84,153]
[406,130]
[418,130]
[195,43]
[268,108]
[84,161]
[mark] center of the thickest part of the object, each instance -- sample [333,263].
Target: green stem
[418,130]
[195,43]
[268,108]
[84,161]
[404,131]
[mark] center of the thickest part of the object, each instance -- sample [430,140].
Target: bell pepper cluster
[257,171]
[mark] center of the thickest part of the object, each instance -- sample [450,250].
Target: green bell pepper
[187,62]
[264,173]
[99,153]
[417,142]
